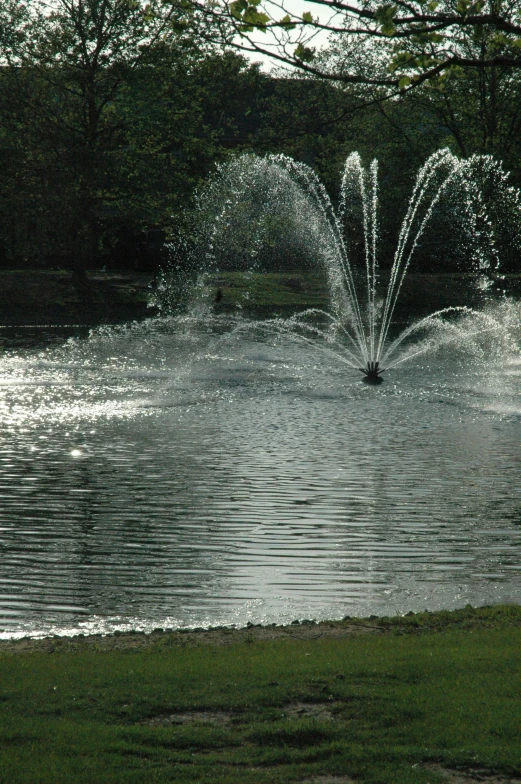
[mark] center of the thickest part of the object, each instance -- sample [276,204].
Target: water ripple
[161,488]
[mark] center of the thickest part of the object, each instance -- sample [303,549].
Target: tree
[480,109]
[421,39]
[476,109]
[65,66]
[184,111]
[69,195]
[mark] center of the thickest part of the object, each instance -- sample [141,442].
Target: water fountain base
[372,373]
[374,380]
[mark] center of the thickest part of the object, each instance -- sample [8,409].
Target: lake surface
[174,473]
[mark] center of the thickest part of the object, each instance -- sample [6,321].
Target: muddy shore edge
[470,618]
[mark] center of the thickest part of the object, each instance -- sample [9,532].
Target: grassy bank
[377,700]
[275,293]
[49,297]
[32,297]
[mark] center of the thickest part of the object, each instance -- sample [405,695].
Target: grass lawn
[277,293]
[377,700]
[48,296]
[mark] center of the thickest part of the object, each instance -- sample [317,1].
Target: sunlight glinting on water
[149,478]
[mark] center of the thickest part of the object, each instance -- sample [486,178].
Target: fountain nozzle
[372,373]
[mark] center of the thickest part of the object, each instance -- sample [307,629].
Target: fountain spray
[250,192]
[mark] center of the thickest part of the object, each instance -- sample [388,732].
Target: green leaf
[237,8]
[402,59]
[252,17]
[246,12]
[465,7]
[286,23]
[304,53]
[385,16]
[404,82]
[307,18]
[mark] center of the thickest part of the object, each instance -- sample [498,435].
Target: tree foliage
[100,102]
[421,39]
[112,112]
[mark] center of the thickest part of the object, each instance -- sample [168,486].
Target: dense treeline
[99,158]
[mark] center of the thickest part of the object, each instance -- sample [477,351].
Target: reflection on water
[161,475]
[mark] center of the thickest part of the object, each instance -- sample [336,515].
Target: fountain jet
[372,373]
[255,195]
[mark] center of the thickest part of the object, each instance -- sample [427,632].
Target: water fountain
[249,194]
[208,468]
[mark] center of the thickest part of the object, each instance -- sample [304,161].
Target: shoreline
[48,298]
[468,617]
[36,298]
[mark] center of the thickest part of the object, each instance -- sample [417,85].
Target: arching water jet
[251,195]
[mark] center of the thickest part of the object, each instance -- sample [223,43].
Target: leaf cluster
[426,33]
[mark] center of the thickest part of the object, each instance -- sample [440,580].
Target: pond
[182,473]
